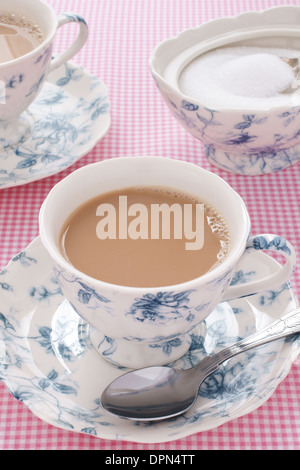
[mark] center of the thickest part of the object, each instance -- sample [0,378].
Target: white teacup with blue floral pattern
[136,327]
[24,77]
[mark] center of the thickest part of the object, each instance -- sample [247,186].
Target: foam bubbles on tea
[19,35]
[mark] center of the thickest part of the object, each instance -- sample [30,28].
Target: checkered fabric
[122,36]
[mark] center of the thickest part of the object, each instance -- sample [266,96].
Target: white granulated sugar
[256,75]
[239,77]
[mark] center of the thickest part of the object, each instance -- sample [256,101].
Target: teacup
[250,140]
[24,76]
[136,327]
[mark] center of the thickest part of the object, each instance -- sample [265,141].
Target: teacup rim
[247,110]
[229,262]
[42,45]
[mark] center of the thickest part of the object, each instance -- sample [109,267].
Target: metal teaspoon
[154,393]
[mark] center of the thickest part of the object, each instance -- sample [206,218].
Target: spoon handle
[287,325]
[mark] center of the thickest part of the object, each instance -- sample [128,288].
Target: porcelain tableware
[78,116]
[48,364]
[24,77]
[137,325]
[248,141]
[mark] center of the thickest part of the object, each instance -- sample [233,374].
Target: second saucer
[71,114]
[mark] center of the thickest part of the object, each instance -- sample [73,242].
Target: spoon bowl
[155,393]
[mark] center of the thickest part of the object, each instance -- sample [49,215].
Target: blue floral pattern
[47,361]
[23,82]
[162,307]
[78,115]
[262,243]
[235,141]
[155,327]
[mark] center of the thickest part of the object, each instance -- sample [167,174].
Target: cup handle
[273,281]
[79,42]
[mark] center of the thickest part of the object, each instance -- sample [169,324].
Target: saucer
[67,119]
[48,363]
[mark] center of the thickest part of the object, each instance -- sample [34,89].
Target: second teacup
[23,73]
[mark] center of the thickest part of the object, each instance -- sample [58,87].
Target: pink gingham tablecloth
[122,36]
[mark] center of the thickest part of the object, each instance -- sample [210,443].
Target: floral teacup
[23,77]
[246,141]
[130,326]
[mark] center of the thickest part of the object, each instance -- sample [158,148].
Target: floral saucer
[47,361]
[68,118]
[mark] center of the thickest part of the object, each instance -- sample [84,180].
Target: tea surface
[143,262]
[18,36]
